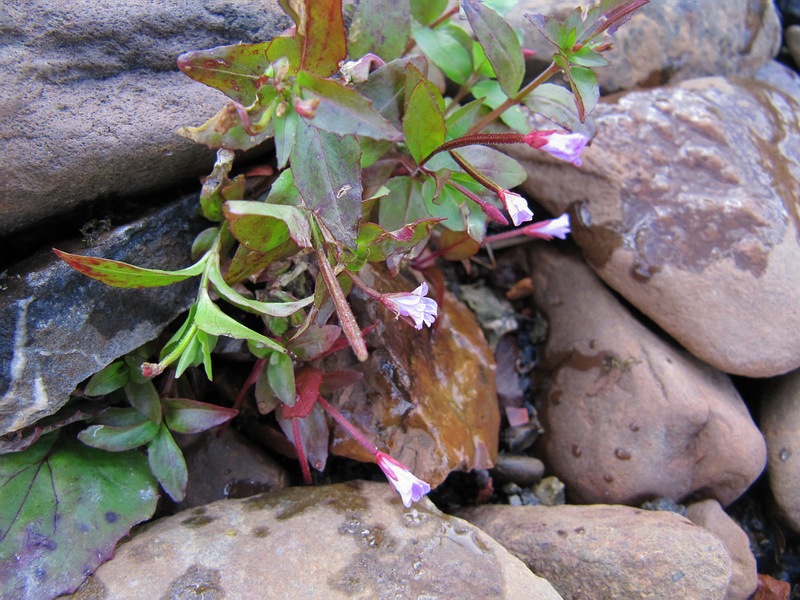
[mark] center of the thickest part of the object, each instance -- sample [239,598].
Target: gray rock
[343,541]
[92,96]
[600,552]
[780,76]
[522,470]
[668,41]
[58,326]
[792,36]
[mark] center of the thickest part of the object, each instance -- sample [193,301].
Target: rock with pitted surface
[687,205]
[668,41]
[600,552]
[628,416]
[353,540]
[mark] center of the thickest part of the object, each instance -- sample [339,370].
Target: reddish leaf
[190,416]
[323,36]
[307,383]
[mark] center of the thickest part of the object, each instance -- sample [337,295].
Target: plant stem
[357,435]
[301,453]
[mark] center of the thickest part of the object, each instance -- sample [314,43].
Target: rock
[780,76]
[57,327]
[344,541]
[427,398]
[671,40]
[780,422]
[92,97]
[628,416]
[686,204]
[709,515]
[792,37]
[600,552]
[522,470]
[227,466]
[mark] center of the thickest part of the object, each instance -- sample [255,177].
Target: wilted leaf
[167,464]
[118,439]
[110,378]
[381,27]
[190,416]
[423,123]
[63,506]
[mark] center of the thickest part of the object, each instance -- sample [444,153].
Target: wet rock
[628,416]
[671,40]
[522,470]
[428,397]
[228,466]
[780,422]
[600,552]
[57,327]
[92,97]
[687,206]
[343,541]
[709,515]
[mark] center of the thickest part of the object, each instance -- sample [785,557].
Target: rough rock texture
[687,205]
[603,552]
[709,515]
[227,466]
[628,416]
[668,41]
[57,326]
[428,398]
[92,96]
[344,541]
[780,422]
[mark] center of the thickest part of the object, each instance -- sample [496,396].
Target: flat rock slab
[603,552]
[687,205]
[344,541]
[58,327]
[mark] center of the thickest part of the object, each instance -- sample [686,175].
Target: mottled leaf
[190,416]
[381,27]
[323,37]
[423,123]
[167,464]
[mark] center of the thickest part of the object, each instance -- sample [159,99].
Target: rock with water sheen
[628,416]
[601,552]
[345,541]
[687,205]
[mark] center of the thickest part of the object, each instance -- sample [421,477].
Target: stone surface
[602,552]
[780,76]
[92,96]
[227,466]
[687,205]
[344,541]
[792,38]
[428,397]
[57,326]
[780,422]
[628,416]
[521,469]
[709,515]
[668,41]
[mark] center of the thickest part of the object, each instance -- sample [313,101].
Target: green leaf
[110,378]
[497,166]
[167,464]
[120,417]
[386,87]
[586,57]
[458,123]
[288,48]
[63,507]
[584,86]
[327,171]
[144,398]
[493,96]
[189,416]
[557,104]
[446,207]
[482,65]
[285,135]
[207,343]
[383,244]
[211,319]
[235,70]
[343,111]
[423,123]
[280,373]
[500,44]
[262,227]
[120,274]
[118,439]
[446,51]
[218,187]
[427,11]
[284,191]
[266,400]
[402,205]
[381,27]
[324,41]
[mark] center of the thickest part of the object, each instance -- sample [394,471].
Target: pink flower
[414,305]
[516,206]
[566,146]
[549,229]
[410,488]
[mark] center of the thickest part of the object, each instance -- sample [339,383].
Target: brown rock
[687,206]
[428,397]
[327,543]
[709,515]
[628,416]
[668,41]
[780,422]
[601,552]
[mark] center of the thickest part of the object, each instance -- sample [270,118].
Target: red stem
[301,453]
[357,435]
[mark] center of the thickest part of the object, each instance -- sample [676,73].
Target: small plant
[375,165]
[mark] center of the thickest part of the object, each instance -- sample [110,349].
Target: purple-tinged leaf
[381,27]
[314,432]
[110,378]
[285,134]
[167,464]
[315,340]
[262,227]
[550,27]
[323,37]
[327,171]
[63,507]
[336,380]
[386,87]
[280,373]
[190,416]
[423,123]
[608,15]
[144,398]
[211,319]
[120,417]
[500,44]
[427,11]
[120,274]
[558,104]
[445,48]
[118,439]
[383,244]
[461,120]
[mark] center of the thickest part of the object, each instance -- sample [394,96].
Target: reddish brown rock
[686,204]
[601,552]
[628,416]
